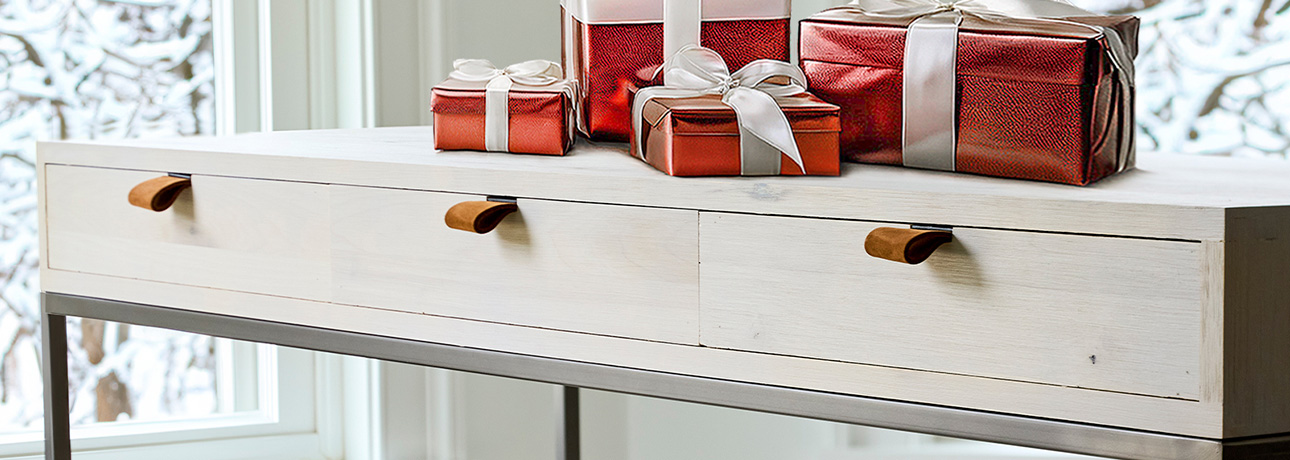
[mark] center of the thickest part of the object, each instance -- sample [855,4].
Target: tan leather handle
[478,216]
[905,245]
[160,193]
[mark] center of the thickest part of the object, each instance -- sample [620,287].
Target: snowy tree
[1213,75]
[87,69]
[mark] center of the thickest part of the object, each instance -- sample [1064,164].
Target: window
[93,70]
[98,70]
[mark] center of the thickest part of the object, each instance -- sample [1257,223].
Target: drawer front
[612,270]
[246,235]
[1103,313]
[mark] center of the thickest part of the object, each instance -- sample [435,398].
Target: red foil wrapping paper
[700,136]
[1033,103]
[606,60]
[539,119]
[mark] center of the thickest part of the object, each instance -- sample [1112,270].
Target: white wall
[509,31]
[504,31]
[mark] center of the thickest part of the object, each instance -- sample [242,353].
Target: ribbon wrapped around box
[759,121]
[1029,89]
[608,42]
[524,108]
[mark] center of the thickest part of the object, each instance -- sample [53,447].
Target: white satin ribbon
[929,138]
[682,25]
[682,20]
[497,95]
[931,125]
[764,131]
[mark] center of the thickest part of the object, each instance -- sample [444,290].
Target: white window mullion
[284,63]
[436,59]
[355,90]
[444,421]
[328,401]
[236,46]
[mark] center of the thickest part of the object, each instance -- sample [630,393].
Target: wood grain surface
[1060,309]
[613,270]
[259,236]
[1169,196]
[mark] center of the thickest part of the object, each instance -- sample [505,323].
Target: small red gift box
[699,136]
[608,42]
[528,118]
[1030,98]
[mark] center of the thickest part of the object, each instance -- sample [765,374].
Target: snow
[1213,76]
[91,69]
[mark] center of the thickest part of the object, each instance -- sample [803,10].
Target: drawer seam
[699,345]
[845,219]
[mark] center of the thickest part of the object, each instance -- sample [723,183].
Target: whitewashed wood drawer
[259,236]
[1107,313]
[611,270]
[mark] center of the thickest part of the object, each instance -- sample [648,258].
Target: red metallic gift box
[539,117]
[1035,100]
[609,42]
[699,136]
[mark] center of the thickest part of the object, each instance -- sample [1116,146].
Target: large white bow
[999,10]
[764,131]
[497,95]
[930,116]
[533,73]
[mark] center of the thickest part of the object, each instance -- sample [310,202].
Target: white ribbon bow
[929,137]
[996,10]
[497,96]
[764,131]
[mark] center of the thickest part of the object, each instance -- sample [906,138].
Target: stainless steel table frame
[572,375]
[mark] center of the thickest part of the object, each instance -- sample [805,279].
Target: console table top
[1168,196]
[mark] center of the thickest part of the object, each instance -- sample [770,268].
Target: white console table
[1145,317]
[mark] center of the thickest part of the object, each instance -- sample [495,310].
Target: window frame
[291,417]
[285,402]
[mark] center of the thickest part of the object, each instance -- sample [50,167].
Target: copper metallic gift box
[608,42]
[699,136]
[540,117]
[1036,100]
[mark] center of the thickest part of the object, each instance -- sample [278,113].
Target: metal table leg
[568,441]
[58,444]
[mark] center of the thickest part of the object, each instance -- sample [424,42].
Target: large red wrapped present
[1030,89]
[608,42]
[525,108]
[758,121]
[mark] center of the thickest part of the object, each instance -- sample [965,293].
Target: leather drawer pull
[160,193]
[478,216]
[905,245]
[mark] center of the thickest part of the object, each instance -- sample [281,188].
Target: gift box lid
[453,84]
[1020,50]
[455,87]
[650,11]
[707,115]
